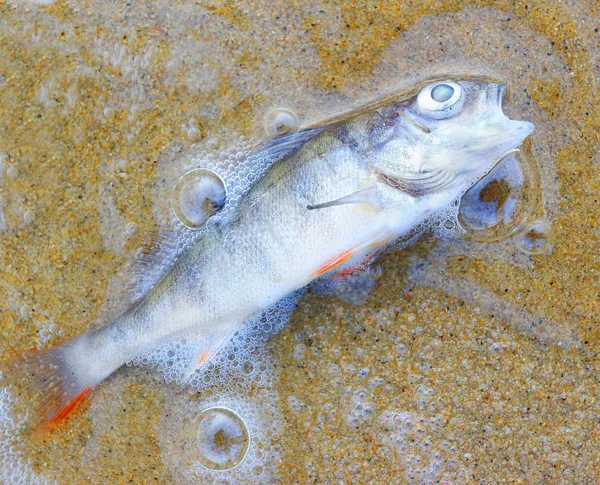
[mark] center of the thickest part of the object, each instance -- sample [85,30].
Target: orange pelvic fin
[334,263]
[356,266]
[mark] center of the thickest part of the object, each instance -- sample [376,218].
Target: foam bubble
[131,229]
[219,439]
[359,407]
[535,238]
[197,195]
[281,121]
[237,440]
[496,206]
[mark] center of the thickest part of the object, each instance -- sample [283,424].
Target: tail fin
[44,379]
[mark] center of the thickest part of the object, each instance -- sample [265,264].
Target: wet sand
[423,383]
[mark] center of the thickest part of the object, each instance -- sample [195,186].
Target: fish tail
[51,386]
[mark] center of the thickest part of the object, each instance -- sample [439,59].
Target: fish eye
[440,100]
[442,92]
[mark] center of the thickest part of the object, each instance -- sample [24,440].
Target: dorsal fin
[157,253]
[284,145]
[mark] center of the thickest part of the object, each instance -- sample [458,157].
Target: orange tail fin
[44,379]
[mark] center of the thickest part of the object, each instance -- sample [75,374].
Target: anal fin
[209,347]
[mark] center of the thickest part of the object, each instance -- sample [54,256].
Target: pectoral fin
[364,196]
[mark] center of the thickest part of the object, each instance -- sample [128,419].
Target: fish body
[333,201]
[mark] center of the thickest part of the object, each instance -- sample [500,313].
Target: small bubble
[212,144]
[131,229]
[579,310]
[449,225]
[214,223]
[281,121]
[193,133]
[406,425]
[248,368]
[535,238]
[375,272]
[25,312]
[28,217]
[497,348]
[219,439]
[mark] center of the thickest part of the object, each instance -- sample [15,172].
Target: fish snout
[523,128]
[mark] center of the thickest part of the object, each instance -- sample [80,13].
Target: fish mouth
[515,130]
[495,94]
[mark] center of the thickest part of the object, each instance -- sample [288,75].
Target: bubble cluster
[242,361]
[47,332]
[442,224]
[359,407]
[408,435]
[15,468]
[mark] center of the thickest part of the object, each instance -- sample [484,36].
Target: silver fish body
[348,191]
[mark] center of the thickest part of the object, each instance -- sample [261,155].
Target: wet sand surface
[467,363]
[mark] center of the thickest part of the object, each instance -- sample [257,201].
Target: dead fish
[341,193]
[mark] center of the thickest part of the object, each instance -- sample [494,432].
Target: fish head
[454,132]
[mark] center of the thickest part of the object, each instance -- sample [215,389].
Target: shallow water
[468,362]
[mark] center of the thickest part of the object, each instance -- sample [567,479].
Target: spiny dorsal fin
[156,254]
[284,145]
